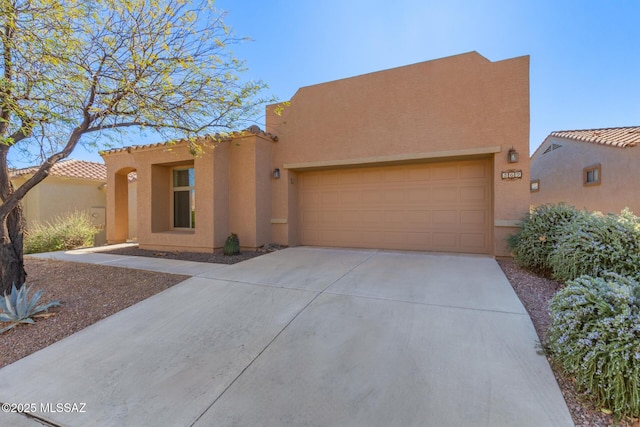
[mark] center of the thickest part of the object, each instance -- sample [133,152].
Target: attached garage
[412,158]
[437,206]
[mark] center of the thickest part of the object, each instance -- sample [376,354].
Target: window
[592,175]
[184,206]
[534,185]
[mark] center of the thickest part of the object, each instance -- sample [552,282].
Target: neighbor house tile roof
[70,169]
[615,137]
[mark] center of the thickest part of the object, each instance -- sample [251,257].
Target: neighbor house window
[534,185]
[184,204]
[591,175]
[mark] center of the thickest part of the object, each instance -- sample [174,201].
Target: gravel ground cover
[535,293]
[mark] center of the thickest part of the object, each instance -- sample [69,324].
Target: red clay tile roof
[255,130]
[614,137]
[70,169]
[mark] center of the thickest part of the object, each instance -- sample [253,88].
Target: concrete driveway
[304,337]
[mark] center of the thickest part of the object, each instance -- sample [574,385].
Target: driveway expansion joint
[34,417]
[458,307]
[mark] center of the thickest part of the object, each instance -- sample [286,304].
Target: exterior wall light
[276,173]
[512,156]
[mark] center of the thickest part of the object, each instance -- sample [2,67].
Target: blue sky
[585,55]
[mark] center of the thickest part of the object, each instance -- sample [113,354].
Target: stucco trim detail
[394,158]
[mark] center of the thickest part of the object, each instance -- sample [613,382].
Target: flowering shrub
[594,244]
[595,336]
[534,243]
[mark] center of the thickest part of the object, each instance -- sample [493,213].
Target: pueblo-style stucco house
[412,158]
[593,169]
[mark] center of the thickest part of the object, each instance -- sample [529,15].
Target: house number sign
[512,174]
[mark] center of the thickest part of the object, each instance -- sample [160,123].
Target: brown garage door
[443,206]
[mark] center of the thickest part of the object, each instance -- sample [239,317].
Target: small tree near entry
[73,70]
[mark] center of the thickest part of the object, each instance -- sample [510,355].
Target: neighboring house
[71,185]
[593,169]
[412,158]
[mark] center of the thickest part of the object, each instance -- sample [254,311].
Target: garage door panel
[371,176]
[310,218]
[472,170]
[417,241]
[310,180]
[477,217]
[433,206]
[312,200]
[394,195]
[395,239]
[473,193]
[392,217]
[395,175]
[370,219]
[444,194]
[349,177]
[328,179]
[418,220]
[419,195]
[370,196]
[474,240]
[329,219]
[354,220]
[444,172]
[350,197]
[329,197]
[440,218]
[418,173]
[445,241]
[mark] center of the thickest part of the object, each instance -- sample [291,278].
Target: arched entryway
[123,194]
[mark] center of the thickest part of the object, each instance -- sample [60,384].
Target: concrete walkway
[303,336]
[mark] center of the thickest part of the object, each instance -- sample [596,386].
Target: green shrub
[64,232]
[595,244]
[595,336]
[534,243]
[232,245]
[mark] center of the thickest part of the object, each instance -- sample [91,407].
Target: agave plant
[17,308]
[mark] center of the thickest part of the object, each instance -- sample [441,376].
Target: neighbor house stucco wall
[560,172]
[450,108]
[58,196]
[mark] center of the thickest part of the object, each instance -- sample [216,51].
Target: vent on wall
[551,148]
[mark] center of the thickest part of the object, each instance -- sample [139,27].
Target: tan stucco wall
[232,194]
[446,108]
[132,194]
[153,167]
[454,108]
[59,196]
[250,192]
[561,176]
